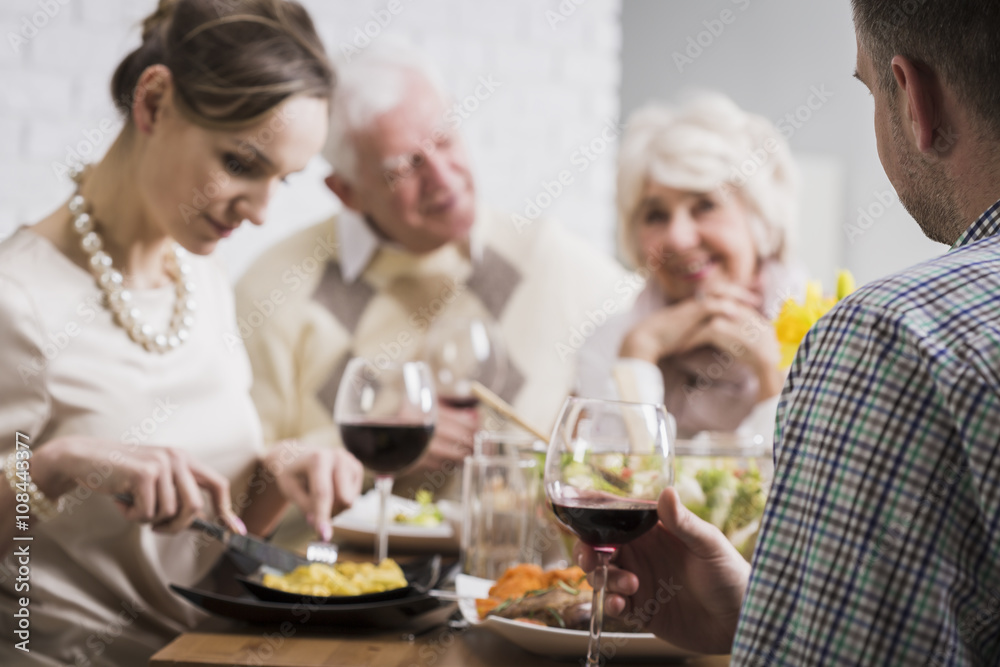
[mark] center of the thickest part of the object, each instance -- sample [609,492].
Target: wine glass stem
[597,608]
[384,485]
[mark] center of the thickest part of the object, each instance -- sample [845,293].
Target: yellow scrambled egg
[320,579]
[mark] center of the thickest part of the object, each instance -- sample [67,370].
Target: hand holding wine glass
[700,615]
[386,414]
[606,465]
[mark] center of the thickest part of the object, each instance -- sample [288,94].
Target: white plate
[359,526]
[556,642]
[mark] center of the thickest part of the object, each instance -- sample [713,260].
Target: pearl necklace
[118,300]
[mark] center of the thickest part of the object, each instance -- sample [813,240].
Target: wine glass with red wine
[461,350]
[386,414]
[606,465]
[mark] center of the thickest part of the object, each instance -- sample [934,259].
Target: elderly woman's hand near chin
[723,315]
[320,480]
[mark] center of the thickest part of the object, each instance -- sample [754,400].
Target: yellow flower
[845,284]
[795,319]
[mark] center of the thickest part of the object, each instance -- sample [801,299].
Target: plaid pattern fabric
[880,544]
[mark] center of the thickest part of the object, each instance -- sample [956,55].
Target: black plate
[422,575]
[415,612]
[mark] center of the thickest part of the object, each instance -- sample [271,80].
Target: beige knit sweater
[301,321]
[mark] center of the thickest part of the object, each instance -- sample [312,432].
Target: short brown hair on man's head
[958,39]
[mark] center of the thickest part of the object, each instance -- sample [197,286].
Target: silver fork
[322,552]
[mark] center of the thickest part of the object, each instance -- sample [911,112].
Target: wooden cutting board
[200,650]
[440,647]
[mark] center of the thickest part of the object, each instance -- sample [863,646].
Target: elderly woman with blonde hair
[706,205]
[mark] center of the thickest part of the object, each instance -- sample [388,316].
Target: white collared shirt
[359,243]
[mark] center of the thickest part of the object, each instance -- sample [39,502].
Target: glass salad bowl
[724,478]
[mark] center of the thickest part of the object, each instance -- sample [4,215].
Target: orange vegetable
[522,579]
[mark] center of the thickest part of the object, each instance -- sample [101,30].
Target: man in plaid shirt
[881,540]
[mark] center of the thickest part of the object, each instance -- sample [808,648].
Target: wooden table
[442,647]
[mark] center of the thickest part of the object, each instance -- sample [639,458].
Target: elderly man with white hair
[412,243]
[706,205]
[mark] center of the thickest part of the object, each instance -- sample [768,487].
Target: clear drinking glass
[499,497]
[549,543]
[462,350]
[606,465]
[386,414]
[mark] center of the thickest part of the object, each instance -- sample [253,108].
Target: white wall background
[557,62]
[767,57]
[561,82]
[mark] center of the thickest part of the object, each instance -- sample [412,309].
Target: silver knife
[247,545]
[252,547]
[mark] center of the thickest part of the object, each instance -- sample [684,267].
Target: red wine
[460,402]
[386,448]
[606,523]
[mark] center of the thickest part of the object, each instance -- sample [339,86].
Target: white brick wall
[559,87]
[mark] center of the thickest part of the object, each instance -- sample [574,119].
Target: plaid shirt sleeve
[879,544]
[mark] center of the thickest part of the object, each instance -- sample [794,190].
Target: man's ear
[343,189]
[922,103]
[152,91]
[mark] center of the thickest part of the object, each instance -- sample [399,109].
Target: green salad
[725,492]
[631,476]
[427,514]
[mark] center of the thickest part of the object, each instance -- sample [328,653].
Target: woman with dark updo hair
[124,386]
